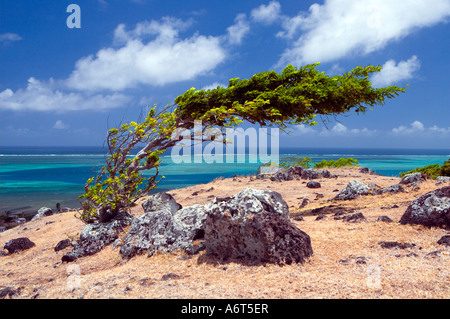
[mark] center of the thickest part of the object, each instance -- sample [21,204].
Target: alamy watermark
[74,19]
[207,145]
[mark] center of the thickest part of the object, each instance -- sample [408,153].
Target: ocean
[34,177]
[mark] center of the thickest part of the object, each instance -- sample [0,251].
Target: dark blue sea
[33,177]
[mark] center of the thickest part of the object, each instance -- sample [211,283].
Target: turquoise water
[31,178]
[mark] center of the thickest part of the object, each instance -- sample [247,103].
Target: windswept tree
[294,96]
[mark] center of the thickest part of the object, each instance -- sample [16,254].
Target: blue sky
[67,86]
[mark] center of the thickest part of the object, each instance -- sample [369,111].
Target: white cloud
[341,130]
[9,37]
[213,86]
[45,96]
[441,130]
[417,128]
[392,72]
[267,14]
[238,30]
[303,129]
[339,28]
[60,125]
[164,59]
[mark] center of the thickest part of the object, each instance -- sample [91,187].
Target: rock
[9,292]
[430,209]
[304,203]
[384,219]
[261,237]
[445,240]
[326,173]
[310,173]
[63,244]
[396,188]
[313,184]
[166,231]
[42,212]
[161,201]
[395,244]
[364,170]
[170,276]
[106,214]
[18,244]
[354,188]
[433,254]
[413,177]
[443,178]
[251,201]
[145,231]
[95,236]
[255,225]
[354,217]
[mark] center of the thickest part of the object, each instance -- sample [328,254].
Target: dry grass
[347,262]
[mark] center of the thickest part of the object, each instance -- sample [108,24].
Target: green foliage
[342,162]
[433,170]
[445,168]
[304,162]
[294,96]
[121,182]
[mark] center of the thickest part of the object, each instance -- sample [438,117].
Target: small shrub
[433,170]
[342,162]
[304,162]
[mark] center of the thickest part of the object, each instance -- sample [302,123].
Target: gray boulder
[161,201]
[354,188]
[282,175]
[396,188]
[186,230]
[95,236]
[310,173]
[413,178]
[430,209]
[42,212]
[254,226]
[145,231]
[251,201]
[443,178]
[165,231]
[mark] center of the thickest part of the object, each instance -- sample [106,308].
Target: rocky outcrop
[18,244]
[95,236]
[295,172]
[430,209]
[254,226]
[413,178]
[354,188]
[443,178]
[165,231]
[161,201]
[392,189]
[42,212]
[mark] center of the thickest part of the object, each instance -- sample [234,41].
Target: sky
[69,73]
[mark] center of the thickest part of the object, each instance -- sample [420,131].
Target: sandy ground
[348,261]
